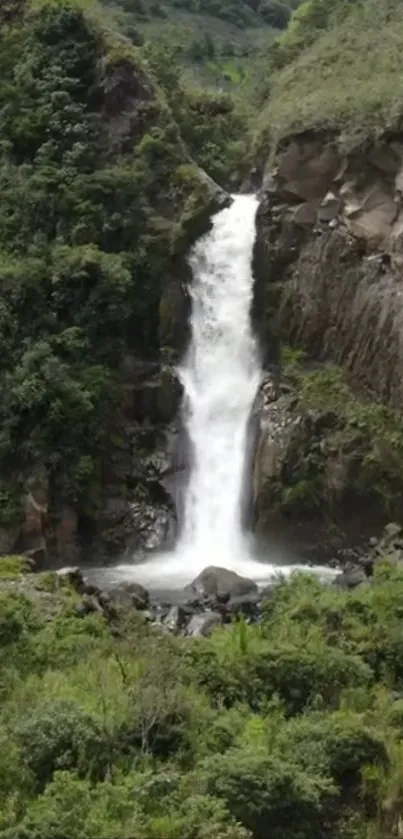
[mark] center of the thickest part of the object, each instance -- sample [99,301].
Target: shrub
[337,745]
[60,736]
[14,566]
[261,790]
[18,618]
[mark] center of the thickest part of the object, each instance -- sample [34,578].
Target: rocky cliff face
[329,263]
[330,232]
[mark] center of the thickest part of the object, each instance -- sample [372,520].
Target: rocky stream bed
[216,597]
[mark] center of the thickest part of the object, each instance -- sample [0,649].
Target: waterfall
[220,375]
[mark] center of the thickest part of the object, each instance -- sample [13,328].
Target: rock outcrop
[329,255]
[329,266]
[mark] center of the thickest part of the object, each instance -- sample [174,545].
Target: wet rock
[351,577]
[134,527]
[223,597]
[37,558]
[175,619]
[174,315]
[89,605]
[131,594]
[217,581]
[157,398]
[204,624]
[247,605]
[66,535]
[73,576]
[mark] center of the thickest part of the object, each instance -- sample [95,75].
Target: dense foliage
[116,730]
[212,126]
[94,209]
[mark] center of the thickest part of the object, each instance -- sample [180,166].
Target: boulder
[131,594]
[351,577]
[307,169]
[329,207]
[37,558]
[246,605]
[204,624]
[389,546]
[217,581]
[175,619]
[89,605]
[305,214]
[73,576]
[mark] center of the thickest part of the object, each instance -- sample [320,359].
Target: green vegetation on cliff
[99,198]
[345,450]
[335,68]
[112,729]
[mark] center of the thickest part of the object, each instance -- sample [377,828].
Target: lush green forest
[115,730]
[95,212]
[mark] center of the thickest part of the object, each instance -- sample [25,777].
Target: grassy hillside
[336,67]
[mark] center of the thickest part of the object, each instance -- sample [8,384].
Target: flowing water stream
[220,374]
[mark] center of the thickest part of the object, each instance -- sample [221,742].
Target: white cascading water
[220,375]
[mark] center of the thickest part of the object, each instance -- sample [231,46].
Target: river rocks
[176,619]
[215,581]
[131,594]
[73,576]
[204,624]
[351,577]
[246,605]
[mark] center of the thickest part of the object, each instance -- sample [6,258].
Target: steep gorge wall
[330,255]
[329,267]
